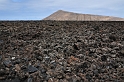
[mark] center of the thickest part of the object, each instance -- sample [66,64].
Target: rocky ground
[56,51]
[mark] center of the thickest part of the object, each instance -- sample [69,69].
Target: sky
[39,9]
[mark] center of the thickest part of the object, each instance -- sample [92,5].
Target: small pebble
[7,63]
[32,69]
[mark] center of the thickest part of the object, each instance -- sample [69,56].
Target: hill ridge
[66,15]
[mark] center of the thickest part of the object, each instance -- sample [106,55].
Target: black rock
[45,51]
[122,77]
[39,58]
[84,65]
[75,47]
[102,70]
[122,52]
[43,70]
[114,64]
[7,63]
[60,76]
[17,61]
[91,54]
[44,76]
[89,77]
[23,67]
[79,41]
[2,72]
[103,58]
[96,72]
[112,37]
[32,69]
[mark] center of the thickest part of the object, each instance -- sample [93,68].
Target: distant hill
[65,15]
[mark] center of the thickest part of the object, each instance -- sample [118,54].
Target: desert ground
[61,51]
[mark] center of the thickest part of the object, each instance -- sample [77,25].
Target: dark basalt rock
[122,52]
[61,51]
[75,47]
[89,77]
[84,65]
[112,37]
[7,63]
[32,69]
[2,72]
[104,58]
[43,70]
[96,73]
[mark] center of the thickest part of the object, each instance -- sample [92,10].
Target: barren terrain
[61,51]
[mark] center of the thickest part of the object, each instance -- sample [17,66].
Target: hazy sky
[39,9]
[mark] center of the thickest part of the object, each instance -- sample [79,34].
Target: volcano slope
[61,51]
[62,15]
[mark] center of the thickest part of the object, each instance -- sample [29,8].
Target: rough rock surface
[56,51]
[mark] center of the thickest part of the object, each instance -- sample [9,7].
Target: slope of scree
[65,15]
[55,51]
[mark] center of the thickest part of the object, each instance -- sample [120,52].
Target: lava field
[61,51]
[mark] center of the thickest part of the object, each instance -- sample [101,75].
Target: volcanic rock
[61,51]
[32,69]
